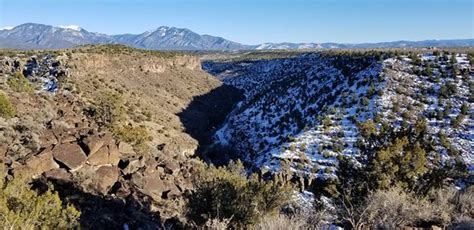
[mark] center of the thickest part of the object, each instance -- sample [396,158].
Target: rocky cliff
[54,137]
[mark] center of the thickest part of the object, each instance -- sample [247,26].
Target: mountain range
[40,36]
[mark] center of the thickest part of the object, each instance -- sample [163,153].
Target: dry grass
[282,222]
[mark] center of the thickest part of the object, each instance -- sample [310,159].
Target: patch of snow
[7,28]
[71,27]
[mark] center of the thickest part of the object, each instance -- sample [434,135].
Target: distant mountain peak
[40,36]
[71,27]
[163,28]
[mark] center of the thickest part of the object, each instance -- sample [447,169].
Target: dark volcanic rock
[59,174]
[69,154]
[105,178]
[38,164]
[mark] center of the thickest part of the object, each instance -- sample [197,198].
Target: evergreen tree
[453,58]
[464,108]
[23,208]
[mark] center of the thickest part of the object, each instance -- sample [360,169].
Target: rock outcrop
[70,155]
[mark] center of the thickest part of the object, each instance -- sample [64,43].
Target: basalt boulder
[70,155]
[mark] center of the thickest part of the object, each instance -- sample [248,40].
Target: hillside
[145,139]
[306,110]
[109,126]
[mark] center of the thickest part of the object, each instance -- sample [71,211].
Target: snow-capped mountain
[306,109]
[394,44]
[171,38]
[39,36]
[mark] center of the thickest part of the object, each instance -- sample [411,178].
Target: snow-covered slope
[393,44]
[304,110]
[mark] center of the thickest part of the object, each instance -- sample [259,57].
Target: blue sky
[258,21]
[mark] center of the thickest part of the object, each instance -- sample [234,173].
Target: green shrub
[137,136]
[367,128]
[6,107]
[447,90]
[327,122]
[19,83]
[108,109]
[415,60]
[23,208]
[227,193]
[464,108]
[456,122]
[444,140]
[365,101]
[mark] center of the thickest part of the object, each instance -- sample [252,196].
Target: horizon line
[63,26]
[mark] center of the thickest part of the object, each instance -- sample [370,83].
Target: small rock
[151,184]
[133,166]
[48,138]
[93,143]
[68,139]
[63,134]
[183,184]
[126,149]
[171,167]
[154,185]
[171,194]
[123,190]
